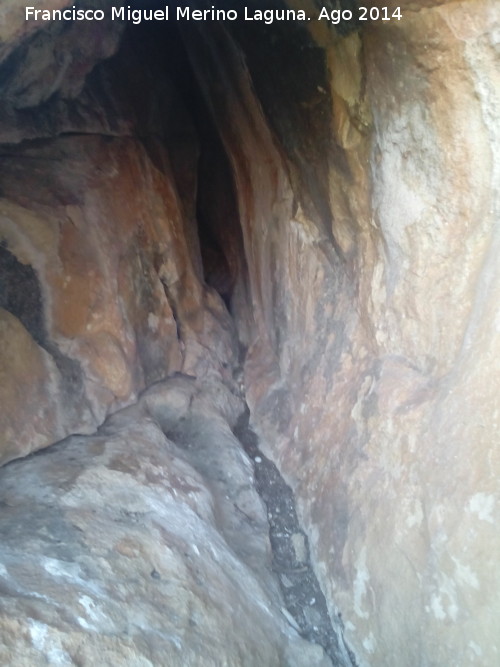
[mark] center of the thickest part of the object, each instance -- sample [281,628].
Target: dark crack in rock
[291,558]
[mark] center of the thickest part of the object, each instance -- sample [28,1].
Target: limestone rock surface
[98,261]
[371,236]
[353,209]
[128,547]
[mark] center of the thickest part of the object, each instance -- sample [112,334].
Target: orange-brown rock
[94,215]
[373,373]
[340,188]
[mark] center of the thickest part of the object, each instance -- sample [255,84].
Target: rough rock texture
[97,261]
[130,548]
[356,244]
[373,373]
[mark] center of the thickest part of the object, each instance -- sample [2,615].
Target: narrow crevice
[299,585]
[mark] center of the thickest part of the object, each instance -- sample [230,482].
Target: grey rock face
[132,547]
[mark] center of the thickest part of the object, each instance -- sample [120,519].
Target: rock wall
[366,172]
[361,171]
[101,284]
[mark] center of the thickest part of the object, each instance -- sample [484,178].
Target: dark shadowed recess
[195,150]
[290,76]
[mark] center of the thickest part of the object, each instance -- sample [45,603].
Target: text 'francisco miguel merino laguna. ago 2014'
[267,16]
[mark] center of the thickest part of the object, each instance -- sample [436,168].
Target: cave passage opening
[288,71]
[175,90]
[194,148]
[205,180]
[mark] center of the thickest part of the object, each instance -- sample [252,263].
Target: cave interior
[227,253]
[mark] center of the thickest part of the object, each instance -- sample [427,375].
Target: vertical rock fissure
[222,252]
[299,585]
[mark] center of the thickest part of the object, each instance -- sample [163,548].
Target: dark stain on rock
[21,296]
